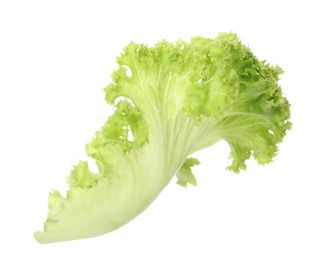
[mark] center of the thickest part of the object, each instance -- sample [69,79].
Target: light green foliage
[176,99]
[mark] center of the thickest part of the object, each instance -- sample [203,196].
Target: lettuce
[171,100]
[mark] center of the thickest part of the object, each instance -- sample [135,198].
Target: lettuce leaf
[171,100]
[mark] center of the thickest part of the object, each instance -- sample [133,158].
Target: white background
[55,58]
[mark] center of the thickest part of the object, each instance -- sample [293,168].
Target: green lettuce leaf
[171,100]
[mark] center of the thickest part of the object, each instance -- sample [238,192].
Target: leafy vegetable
[175,99]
